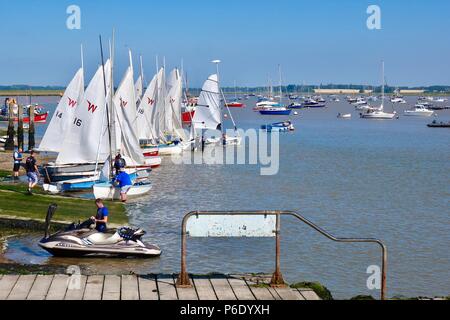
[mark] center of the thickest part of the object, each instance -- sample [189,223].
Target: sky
[314,41]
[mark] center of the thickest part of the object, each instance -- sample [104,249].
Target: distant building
[340,91]
[412,91]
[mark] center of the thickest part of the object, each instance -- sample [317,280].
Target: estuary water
[354,178]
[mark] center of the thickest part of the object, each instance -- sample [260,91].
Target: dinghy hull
[106,190]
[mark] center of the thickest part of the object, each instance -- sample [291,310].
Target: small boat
[166,149]
[398,100]
[440,124]
[360,101]
[39,117]
[279,126]
[295,105]
[419,110]
[229,141]
[87,183]
[364,107]
[234,104]
[106,190]
[281,111]
[344,115]
[266,104]
[311,103]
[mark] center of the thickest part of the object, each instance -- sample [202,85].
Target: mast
[382,85]
[281,91]
[142,73]
[82,59]
[107,111]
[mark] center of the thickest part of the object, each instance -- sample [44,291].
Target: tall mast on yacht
[281,91]
[382,85]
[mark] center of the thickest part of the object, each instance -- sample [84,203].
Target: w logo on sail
[72,102]
[123,103]
[91,107]
[150,101]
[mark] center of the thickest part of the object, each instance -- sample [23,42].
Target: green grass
[318,288]
[4,173]
[16,202]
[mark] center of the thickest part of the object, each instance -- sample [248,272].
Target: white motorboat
[419,110]
[398,100]
[359,101]
[344,115]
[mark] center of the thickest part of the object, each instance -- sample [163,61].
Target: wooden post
[20,127]
[9,144]
[31,128]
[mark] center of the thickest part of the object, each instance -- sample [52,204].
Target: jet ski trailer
[82,240]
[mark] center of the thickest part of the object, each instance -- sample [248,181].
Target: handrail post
[383,273]
[183,278]
[277,278]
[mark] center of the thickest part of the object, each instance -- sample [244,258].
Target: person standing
[17,158]
[123,180]
[119,163]
[203,143]
[32,171]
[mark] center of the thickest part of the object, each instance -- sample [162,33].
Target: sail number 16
[77,122]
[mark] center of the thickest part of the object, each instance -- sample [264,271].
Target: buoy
[225,116]
[295,112]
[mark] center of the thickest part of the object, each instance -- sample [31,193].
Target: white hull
[154,161]
[345,116]
[107,191]
[427,113]
[228,141]
[378,115]
[167,150]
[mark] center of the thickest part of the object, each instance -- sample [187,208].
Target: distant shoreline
[59,93]
[33,93]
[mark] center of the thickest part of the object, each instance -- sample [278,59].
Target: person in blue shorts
[32,171]
[101,218]
[123,180]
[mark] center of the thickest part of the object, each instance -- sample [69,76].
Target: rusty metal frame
[277,278]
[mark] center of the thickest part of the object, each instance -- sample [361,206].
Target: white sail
[207,113]
[146,110]
[173,103]
[139,85]
[73,95]
[159,119]
[125,109]
[87,136]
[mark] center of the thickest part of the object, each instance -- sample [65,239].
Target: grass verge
[16,202]
[318,288]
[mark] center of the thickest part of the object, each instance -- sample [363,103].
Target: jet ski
[83,240]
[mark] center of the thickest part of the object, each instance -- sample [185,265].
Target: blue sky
[322,41]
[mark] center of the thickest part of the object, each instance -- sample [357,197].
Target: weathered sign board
[236,225]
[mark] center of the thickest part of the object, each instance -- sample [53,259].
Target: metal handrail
[183,279]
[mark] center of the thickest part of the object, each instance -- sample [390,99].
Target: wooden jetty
[145,287]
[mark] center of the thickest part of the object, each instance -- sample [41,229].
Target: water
[354,178]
